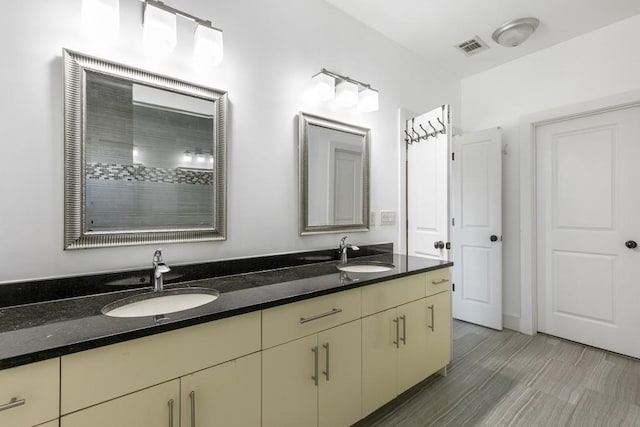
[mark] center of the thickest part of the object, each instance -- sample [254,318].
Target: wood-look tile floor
[509,379]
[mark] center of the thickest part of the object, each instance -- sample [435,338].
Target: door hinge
[453,156]
[453,287]
[453,222]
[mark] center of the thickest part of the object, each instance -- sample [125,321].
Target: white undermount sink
[162,302]
[365,267]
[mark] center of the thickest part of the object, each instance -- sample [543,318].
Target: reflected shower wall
[136,173]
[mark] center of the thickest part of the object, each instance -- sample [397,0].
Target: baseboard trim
[511,321]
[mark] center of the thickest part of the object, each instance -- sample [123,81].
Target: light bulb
[159,32]
[368,100]
[323,86]
[346,94]
[208,45]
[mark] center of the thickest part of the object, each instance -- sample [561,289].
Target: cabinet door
[340,391]
[152,407]
[224,395]
[289,393]
[30,394]
[379,360]
[439,331]
[412,354]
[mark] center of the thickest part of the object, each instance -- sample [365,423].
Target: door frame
[528,191]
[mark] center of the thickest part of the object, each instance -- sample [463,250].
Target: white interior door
[588,281]
[428,187]
[346,204]
[477,230]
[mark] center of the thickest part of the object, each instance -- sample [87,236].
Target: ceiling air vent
[472,46]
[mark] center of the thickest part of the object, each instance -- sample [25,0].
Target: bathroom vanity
[305,345]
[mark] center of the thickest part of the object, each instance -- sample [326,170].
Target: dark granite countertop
[42,330]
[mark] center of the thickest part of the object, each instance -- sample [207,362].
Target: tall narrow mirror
[144,157]
[334,175]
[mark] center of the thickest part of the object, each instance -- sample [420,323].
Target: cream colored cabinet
[30,394]
[152,407]
[394,353]
[95,376]
[438,331]
[224,395]
[314,380]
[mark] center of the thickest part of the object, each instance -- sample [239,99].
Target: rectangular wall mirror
[144,157]
[333,175]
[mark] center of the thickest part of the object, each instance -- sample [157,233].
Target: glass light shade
[346,94]
[515,36]
[101,18]
[208,44]
[159,32]
[200,158]
[368,100]
[187,157]
[323,86]
[135,150]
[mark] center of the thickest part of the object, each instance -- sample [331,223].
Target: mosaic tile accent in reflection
[117,172]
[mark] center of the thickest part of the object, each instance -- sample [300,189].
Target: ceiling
[432,28]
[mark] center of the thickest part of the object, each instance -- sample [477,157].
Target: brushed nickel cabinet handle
[439,282]
[12,404]
[321,315]
[315,372]
[433,324]
[170,404]
[397,341]
[326,365]
[404,329]
[192,400]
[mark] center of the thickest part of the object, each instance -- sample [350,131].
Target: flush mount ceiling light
[346,91]
[513,33]
[159,32]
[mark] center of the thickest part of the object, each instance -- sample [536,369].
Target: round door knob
[631,244]
[493,238]
[438,244]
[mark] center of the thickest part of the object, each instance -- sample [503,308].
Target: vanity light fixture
[101,18]
[346,91]
[159,32]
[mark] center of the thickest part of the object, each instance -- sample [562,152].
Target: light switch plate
[372,218]
[387,217]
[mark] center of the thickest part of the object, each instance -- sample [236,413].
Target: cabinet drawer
[35,388]
[382,296]
[100,374]
[438,281]
[291,321]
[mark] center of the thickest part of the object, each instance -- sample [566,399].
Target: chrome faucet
[343,249]
[159,267]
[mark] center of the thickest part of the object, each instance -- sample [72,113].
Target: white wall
[598,64]
[271,51]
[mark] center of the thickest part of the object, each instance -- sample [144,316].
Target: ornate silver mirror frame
[78,234]
[333,198]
